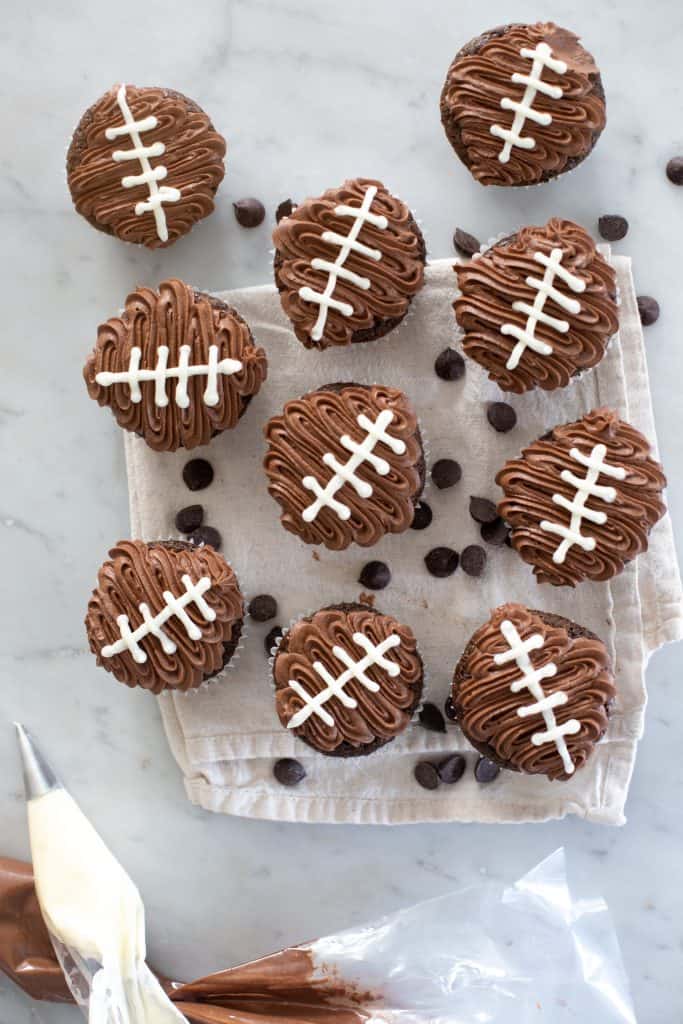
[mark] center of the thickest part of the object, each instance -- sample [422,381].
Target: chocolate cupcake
[581,500]
[538,307]
[348,264]
[521,104]
[144,165]
[165,615]
[346,464]
[347,679]
[533,691]
[176,367]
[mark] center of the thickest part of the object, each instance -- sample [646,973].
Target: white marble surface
[306,92]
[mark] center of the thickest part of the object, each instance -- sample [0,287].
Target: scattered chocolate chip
[189,519]
[262,608]
[197,474]
[473,560]
[431,718]
[483,510]
[249,213]
[441,562]
[501,416]
[375,575]
[368,599]
[446,473]
[612,227]
[452,769]
[449,709]
[449,365]
[674,170]
[289,772]
[495,533]
[485,770]
[206,535]
[427,775]
[465,243]
[648,309]
[270,639]
[422,517]
[284,209]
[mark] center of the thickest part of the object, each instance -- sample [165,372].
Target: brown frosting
[530,481]
[492,282]
[488,709]
[139,572]
[312,426]
[394,278]
[193,157]
[378,717]
[174,316]
[480,77]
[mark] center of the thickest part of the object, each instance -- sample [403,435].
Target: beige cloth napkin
[226,735]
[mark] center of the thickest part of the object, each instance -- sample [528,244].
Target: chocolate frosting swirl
[138,572]
[488,710]
[379,716]
[394,279]
[312,426]
[193,156]
[174,316]
[492,282]
[530,481]
[481,76]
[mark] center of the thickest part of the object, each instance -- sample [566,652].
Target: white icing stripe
[134,376]
[586,487]
[151,625]
[541,58]
[545,289]
[348,243]
[531,680]
[346,473]
[150,176]
[374,655]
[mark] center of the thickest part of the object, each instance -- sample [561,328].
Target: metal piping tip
[39,777]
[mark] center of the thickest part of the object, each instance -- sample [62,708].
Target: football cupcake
[144,164]
[533,691]
[348,264]
[521,104]
[347,679]
[165,615]
[346,464]
[581,500]
[177,366]
[537,308]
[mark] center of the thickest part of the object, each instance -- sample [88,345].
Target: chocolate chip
[262,608]
[431,718]
[648,309]
[375,575]
[441,562]
[427,775]
[473,560]
[446,473]
[674,170]
[465,243]
[206,535]
[612,227]
[495,533]
[289,772]
[249,213]
[449,365]
[501,416]
[189,519]
[449,709]
[422,516]
[284,209]
[483,510]
[485,770]
[197,474]
[270,639]
[452,769]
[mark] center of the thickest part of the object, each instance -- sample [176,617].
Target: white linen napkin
[226,736]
